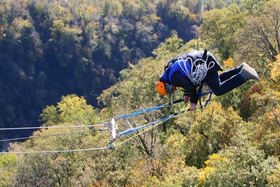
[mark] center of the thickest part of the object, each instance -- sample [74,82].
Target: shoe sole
[251,70]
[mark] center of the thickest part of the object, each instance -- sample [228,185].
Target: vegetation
[234,141]
[53,48]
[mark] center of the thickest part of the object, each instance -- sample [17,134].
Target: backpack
[198,68]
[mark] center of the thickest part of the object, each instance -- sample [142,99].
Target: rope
[48,135]
[143,126]
[81,126]
[149,109]
[107,124]
[208,100]
[110,147]
[52,127]
[58,151]
[152,125]
[96,125]
[198,70]
[138,134]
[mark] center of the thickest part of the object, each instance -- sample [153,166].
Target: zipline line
[107,124]
[150,125]
[149,109]
[110,147]
[53,127]
[58,151]
[97,125]
[49,135]
[138,134]
[143,126]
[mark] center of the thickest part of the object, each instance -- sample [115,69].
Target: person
[195,68]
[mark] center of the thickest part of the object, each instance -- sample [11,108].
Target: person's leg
[228,80]
[221,87]
[229,73]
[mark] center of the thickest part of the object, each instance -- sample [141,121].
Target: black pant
[224,82]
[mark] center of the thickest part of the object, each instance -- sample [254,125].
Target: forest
[51,48]
[79,63]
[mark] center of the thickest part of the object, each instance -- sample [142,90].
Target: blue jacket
[177,74]
[194,55]
[176,67]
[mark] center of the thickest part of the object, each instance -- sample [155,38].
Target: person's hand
[192,106]
[186,98]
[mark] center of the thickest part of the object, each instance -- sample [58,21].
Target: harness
[196,70]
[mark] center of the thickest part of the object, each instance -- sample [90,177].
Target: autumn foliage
[234,141]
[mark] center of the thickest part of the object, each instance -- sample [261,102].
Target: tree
[61,169]
[238,166]
[70,109]
[266,106]
[208,132]
[253,7]
[7,168]
[263,31]
[219,27]
[169,47]
[53,48]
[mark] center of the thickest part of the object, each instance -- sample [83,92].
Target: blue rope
[143,126]
[140,112]
[209,98]
[156,108]
[148,110]
[162,106]
[205,93]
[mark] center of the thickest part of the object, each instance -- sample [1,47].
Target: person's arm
[180,81]
[186,96]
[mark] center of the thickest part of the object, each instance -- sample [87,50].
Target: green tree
[70,109]
[112,8]
[174,170]
[7,168]
[62,169]
[219,27]
[169,47]
[266,106]
[253,7]
[263,31]
[237,166]
[53,48]
[208,132]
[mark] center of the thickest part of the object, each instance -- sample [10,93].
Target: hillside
[50,49]
[234,141]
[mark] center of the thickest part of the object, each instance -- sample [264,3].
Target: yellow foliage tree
[208,132]
[275,71]
[267,113]
[71,109]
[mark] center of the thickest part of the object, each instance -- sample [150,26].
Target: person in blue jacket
[195,68]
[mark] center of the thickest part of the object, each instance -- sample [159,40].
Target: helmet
[160,86]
